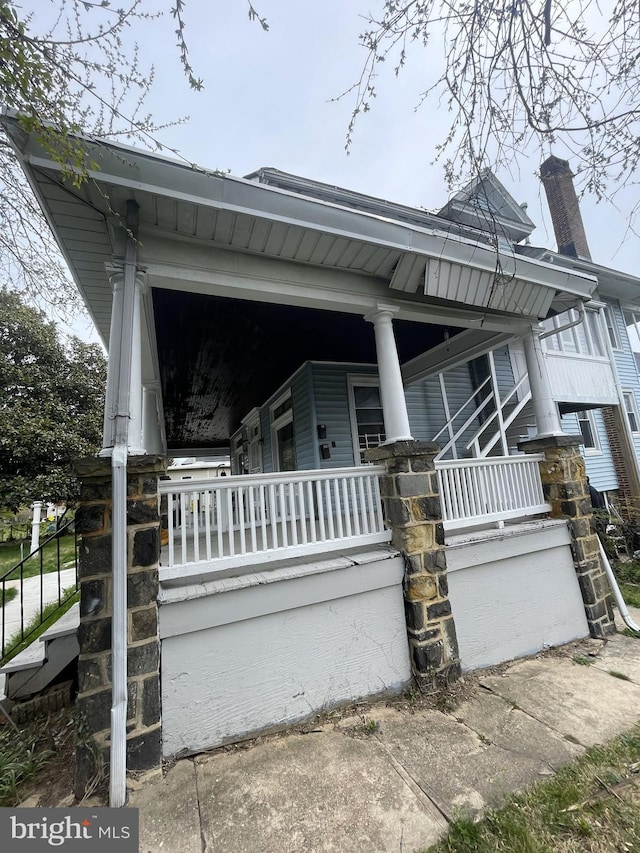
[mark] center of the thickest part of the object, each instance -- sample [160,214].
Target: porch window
[587,424]
[631,410]
[583,339]
[367,422]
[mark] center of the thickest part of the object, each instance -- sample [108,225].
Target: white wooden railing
[246,520]
[478,491]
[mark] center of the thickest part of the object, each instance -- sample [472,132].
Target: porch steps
[36,667]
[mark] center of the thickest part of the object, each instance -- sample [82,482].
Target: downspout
[123,328]
[566,326]
[615,589]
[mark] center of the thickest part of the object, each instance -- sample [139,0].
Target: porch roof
[453,275]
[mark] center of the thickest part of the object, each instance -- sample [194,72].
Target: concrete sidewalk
[391,777]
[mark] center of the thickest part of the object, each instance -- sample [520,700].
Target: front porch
[279,594]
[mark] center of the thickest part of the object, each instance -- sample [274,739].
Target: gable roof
[484,203]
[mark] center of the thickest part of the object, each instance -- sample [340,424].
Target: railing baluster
[311,512]
[321,508]
[283,515]
[328,504]
[241,519]
[183,526]
[362,508]
[273,516]
[354,506]
[263,516]
[292,514]
[195,514]
[230,531]
[345,508]
[252,519]
[170,522]
[207,522]
[218,507]
[302,513]
[377,504]
[338,508]
[371,515]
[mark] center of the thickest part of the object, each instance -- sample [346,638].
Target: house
[278,320]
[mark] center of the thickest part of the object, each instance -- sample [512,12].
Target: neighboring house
[279,320]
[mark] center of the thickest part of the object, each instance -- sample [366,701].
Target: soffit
[246,216]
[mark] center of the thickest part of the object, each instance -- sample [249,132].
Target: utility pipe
[123,325]
[615,589]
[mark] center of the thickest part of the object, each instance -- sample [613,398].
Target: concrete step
[35,667]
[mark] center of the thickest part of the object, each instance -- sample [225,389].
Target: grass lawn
[628,577]
[10,556]
[8,595]
[592,805]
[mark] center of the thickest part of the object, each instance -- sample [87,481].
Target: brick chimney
[564,207]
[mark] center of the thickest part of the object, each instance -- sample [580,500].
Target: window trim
[354,379]
[588,415]
[278,423]
[611,326]
[631,410]
[554,345]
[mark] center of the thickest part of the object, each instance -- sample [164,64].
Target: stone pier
[412,508]
[564,481]
[93,523]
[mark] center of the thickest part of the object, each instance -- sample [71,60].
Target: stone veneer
[412,509]
[93,523]
[565,487]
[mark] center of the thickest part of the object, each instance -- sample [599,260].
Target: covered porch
[278,594]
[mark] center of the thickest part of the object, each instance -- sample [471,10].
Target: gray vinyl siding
[303,427]
[418,410]
[265,432]
[504,370]
[626,363]
[600,469]
[302,416]
[426,410]
[331,394]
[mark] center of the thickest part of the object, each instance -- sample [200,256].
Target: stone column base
[412,509]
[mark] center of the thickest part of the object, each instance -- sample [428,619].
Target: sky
[268,100]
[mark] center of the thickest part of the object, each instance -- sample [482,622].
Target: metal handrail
[27,630]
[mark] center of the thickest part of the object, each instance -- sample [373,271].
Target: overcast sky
[267,101]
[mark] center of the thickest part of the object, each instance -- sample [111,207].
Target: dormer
[484,203]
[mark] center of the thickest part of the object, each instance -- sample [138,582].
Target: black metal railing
[37,598]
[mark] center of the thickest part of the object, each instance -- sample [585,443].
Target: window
[631,410]
[583,339]
[612,331]
[587,424]
[367,422]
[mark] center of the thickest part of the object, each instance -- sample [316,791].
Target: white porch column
[113,394]
[394,404]
[544,406]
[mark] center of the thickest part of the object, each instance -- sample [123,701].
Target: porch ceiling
[208,208]
[219,358]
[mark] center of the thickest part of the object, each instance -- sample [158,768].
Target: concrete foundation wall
[244,655]
[514,592]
